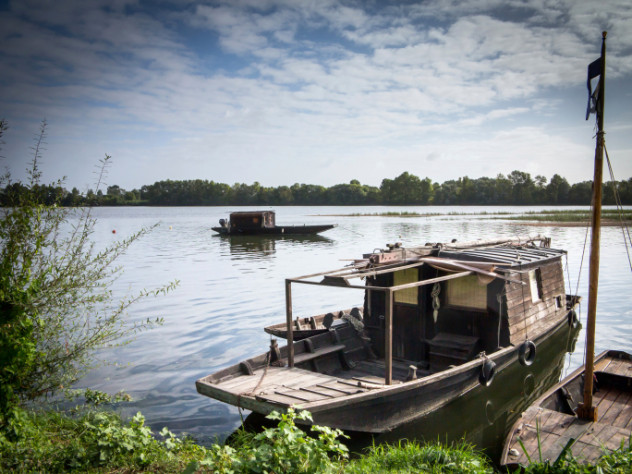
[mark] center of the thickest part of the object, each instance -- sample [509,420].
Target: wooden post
[586,410]
[388,338]
[288,318]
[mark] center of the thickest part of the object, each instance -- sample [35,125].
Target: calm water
[230,288]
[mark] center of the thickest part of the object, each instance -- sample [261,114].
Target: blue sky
[313,91]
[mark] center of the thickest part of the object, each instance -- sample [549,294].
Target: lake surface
[230,288]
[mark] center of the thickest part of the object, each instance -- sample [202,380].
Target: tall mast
[586,410]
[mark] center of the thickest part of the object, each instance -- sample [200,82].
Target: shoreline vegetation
[516,188]
[610,217]
[93,438]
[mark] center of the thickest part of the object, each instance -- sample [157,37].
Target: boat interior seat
[448,349]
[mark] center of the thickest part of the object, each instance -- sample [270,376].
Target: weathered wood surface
[527,318]
[545,432]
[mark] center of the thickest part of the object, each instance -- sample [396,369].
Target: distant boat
[263,223]
[439,322]
[589,411]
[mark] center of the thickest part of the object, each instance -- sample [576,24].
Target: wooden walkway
[555,430]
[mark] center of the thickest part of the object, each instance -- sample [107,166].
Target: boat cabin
[442,305]
[250,220]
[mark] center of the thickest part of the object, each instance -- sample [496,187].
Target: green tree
[55,299]
[557,190]
[523,187]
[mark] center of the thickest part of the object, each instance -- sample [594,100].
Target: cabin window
[535,283]
[466,292]
[408,295]
[558,301]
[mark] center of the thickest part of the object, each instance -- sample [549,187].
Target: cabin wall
[525,317]
[252,220]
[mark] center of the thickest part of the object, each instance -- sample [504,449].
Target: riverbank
[610,217]
[98,441]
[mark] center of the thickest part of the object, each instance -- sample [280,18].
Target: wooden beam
[388,339]
[289,322]
[586,410]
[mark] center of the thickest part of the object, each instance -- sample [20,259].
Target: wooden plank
[603,364]
[607,406]
[301,395]
[618,367]
[323,351]
[530,430]
[278,399]
[321,391]
[624,418]
[570,428]
[345,390]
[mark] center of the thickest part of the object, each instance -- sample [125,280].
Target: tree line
[516,188]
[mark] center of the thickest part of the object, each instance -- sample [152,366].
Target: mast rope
[617,199]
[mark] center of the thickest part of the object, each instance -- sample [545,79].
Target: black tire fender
[526,353]
[488,372]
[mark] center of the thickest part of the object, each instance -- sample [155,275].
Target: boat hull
[388,411]
[549,424]
[277,230]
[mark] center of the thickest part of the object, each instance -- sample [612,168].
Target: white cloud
[346,90]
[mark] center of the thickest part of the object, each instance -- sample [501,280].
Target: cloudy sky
[311,91]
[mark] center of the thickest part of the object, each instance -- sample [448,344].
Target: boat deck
[291,387]
[546,432]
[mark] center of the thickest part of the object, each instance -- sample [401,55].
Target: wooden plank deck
[291,387]
[544,433]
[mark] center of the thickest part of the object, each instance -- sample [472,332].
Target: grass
[573,215]
[412,457]
[610,216]
[98,441]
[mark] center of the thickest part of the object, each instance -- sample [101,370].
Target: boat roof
[250,213]
[489,258]
[504,255]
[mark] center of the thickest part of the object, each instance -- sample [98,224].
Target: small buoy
[170,227]
[526,353]
[114,231]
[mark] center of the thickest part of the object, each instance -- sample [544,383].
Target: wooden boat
[263,223]
[590,411]
[313,325]
[439,322]
[551,424]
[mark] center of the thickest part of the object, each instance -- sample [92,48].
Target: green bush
[56,303]
[94,441]
[284,448]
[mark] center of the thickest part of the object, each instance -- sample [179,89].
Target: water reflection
[255,247]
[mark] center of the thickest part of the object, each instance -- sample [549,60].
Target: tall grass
[409,456]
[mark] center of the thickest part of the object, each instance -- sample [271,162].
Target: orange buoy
[114,231]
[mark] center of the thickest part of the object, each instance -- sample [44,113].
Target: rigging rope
[617,199]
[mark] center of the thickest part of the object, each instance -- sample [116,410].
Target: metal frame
[339,278]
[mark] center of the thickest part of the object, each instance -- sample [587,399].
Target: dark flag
[594,70]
